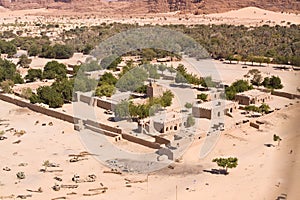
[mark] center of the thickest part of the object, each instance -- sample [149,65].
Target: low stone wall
[39,109]
[281,94]
[140,141]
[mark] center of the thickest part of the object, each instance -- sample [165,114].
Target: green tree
[49,96]
[122,109]
[180,78]
[190,121]
[166,99]
[105,90]
[274,82]
[6,86]
[65,88]
[55,70]
[26,93]
[24,61]
[162,68]
[264,108]
[33,75]
[202,96]
[188,105]
[107,78]
[226,163]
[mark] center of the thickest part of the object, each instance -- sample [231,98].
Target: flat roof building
[252,97]
[213,109]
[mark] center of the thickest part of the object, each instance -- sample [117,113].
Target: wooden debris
[112,172]
[57,198]
[57,178]
[131,181]
[101,188]
[72,193]
[17,142]
[93,194]
[7,197]
[38,190]
[24,196]
[69,186]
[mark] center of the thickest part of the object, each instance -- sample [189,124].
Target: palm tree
[46,164]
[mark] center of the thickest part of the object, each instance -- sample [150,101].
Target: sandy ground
[260,168]
[249,16]
[263,172]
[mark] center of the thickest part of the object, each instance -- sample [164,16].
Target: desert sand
[263,172]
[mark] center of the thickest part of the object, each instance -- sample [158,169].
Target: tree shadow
[216,171]
[269,145]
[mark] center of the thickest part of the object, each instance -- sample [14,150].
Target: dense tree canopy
[8,72]
[54,70]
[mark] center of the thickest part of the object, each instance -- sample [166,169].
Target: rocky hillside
[154,6]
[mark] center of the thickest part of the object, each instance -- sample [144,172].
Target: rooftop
[210,104]
[252,93]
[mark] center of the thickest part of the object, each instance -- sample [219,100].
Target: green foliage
[256,77]
[26,93]
[166,99]
[202,96]
[105,90]
[208,82]
[162,68]
[263,108]
[8,72]
[127,109]
[273,83]
[183,77]
[152,71]
[122,109]
[236,87]
[65,88]
[24,61]
[7,48]
[110,62]
[132,80]
[142,89]
[188,105]
[34,74]
[190,121]
[226,163]
[276,138]
[180,78]
[55,70]
[47,95]
[6,86]
[107,78]
[58,51]
[90,66]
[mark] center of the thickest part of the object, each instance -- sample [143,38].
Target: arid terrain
[44,148]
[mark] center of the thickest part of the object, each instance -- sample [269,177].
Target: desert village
[65,152]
